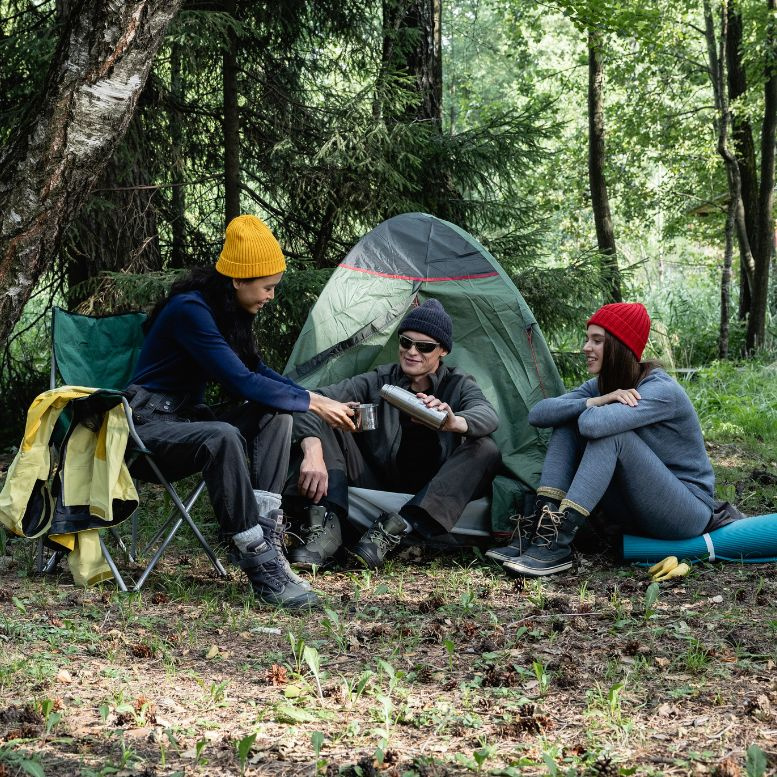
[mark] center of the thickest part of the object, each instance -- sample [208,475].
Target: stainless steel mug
[413,406]
[366,417]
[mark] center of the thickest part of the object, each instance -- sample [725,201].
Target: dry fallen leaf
[213,652]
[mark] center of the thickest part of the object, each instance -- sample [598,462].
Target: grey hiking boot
[550,551]
[323,539]
[275,534]
[270,581]
[523,534]
[382,537]
[525,526]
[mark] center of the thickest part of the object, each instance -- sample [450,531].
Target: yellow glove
[679,571]
[657,570]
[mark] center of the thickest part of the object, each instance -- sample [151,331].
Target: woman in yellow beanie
[202,332]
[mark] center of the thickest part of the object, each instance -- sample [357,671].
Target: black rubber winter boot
[270,581]
[550,551]
[323,539]
[380,539]
[275,527]
[523,534]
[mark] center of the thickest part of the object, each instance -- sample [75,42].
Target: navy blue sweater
[185,350]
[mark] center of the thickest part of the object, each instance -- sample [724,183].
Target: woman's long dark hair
[620,367]
[234,323]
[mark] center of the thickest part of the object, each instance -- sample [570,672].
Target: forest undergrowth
[436,665]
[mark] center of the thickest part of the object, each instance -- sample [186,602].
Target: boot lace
[382,539]
[546,533]
[522,533]
[312,533]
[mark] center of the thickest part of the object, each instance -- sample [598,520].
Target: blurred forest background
[601,150]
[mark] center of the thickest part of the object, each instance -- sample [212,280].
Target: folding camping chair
[101,352]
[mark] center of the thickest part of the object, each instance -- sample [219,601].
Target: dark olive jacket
[380,446]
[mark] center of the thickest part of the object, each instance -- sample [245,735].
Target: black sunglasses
[422,346]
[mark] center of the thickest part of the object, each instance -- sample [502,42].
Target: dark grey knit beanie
[432,320]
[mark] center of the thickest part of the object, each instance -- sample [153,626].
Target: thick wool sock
[549,496]
[574,510]
[247,541]
[266,501]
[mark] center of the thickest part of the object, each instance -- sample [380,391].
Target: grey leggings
[634,487]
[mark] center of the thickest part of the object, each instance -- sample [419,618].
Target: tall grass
[737,403]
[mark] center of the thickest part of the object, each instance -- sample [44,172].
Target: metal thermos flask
[412,405]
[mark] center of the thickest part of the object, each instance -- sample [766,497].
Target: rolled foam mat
[749,540]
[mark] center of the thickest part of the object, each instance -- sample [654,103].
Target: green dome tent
[403,261]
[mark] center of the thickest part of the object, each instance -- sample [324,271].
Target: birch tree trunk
[97,73]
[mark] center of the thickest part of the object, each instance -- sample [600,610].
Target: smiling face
[417,365]
[593,348]
[253,293]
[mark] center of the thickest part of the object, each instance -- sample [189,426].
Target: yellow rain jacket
[83,486]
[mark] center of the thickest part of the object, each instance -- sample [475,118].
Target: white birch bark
[48,169]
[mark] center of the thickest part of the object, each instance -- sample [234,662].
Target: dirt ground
[433,666]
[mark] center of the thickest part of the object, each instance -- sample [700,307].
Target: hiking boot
[322,540]
[275,534]
[382,537]
[525,527]
[270,581]
[523,533]
[550,550]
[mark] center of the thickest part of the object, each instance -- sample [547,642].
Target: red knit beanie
[628,321]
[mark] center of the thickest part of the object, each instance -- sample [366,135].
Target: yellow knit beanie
[250,250]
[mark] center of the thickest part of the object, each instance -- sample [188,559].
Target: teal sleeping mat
[750,540]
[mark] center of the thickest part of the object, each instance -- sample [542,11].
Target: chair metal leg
[193,496]
[134,535]
[112,566]
[183,512]
[51,563]
[155,559]
[122,547]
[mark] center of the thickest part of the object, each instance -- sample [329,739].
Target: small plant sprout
[199,747]
[218,693]
[312,658]
[535,593]
[651,597]
[317,741]
[614,702]
[543,678]
[335,629]
[756,761]
[243,747]
[50,716]
[297,651]
[450,649]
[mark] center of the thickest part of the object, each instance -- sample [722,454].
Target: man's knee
[483,449]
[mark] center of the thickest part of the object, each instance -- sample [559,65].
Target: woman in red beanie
[628,439]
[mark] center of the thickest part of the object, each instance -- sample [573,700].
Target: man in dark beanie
[444,468]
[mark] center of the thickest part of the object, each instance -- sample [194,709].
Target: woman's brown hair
[620,367]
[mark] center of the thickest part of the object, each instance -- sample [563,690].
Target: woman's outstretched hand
[330,411]
[628,397]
